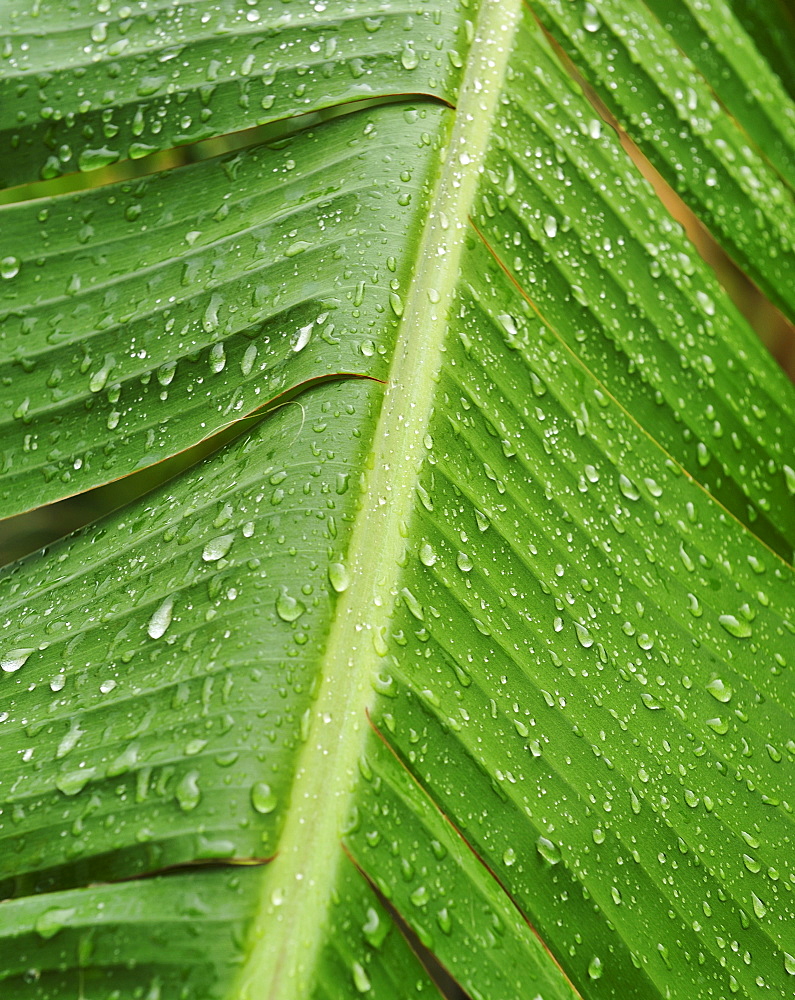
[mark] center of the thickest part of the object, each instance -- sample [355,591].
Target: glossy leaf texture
[85,85]
[497,648]
[729,176]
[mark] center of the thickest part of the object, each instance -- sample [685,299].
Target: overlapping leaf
[487,627]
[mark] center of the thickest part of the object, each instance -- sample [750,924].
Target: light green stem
[290,926]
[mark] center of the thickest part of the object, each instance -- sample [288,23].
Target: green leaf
[671,112]
[497,649]
[84,86]
[772,26]
[146,315]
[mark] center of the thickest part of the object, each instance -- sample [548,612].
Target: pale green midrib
[287,934]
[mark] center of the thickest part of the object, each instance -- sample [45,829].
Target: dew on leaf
[720,690]
[217,548]
[12,660]
[548,850]
[734,626]
[161,619]
[9,267]
[262,798]
[187,792]
[288,608]
[338,577]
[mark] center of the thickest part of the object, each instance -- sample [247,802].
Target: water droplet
[217,548]
[735,627]
[247,362]
[427,554]
[509,857]
[628,488]
[302,338]
[595,968]
[99,378]
[53,920]
[338,577]
[409,58]
[9,267]
[551,226]
[463,562]
[217,358]
[719,690]
[14,659]
[549,851]
[73,782]
[396,303]
[590,18]
[161,619]
[94,159]
[288,608]
[584,637]
[187,792]
[360,979]
[262,798]
[295,248]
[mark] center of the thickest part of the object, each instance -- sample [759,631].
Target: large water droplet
[14,659]
[187,791]
[548,850]
[338,577]
[161,619]
[595,968]
[9,267]
[736,627]
[288,608]
[720,690]
[217,548]
[262,798]
[360,978]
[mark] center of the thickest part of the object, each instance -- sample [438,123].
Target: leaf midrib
[287,934]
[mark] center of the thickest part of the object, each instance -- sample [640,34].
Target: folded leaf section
[143,317]
[81,87]
[158,667]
